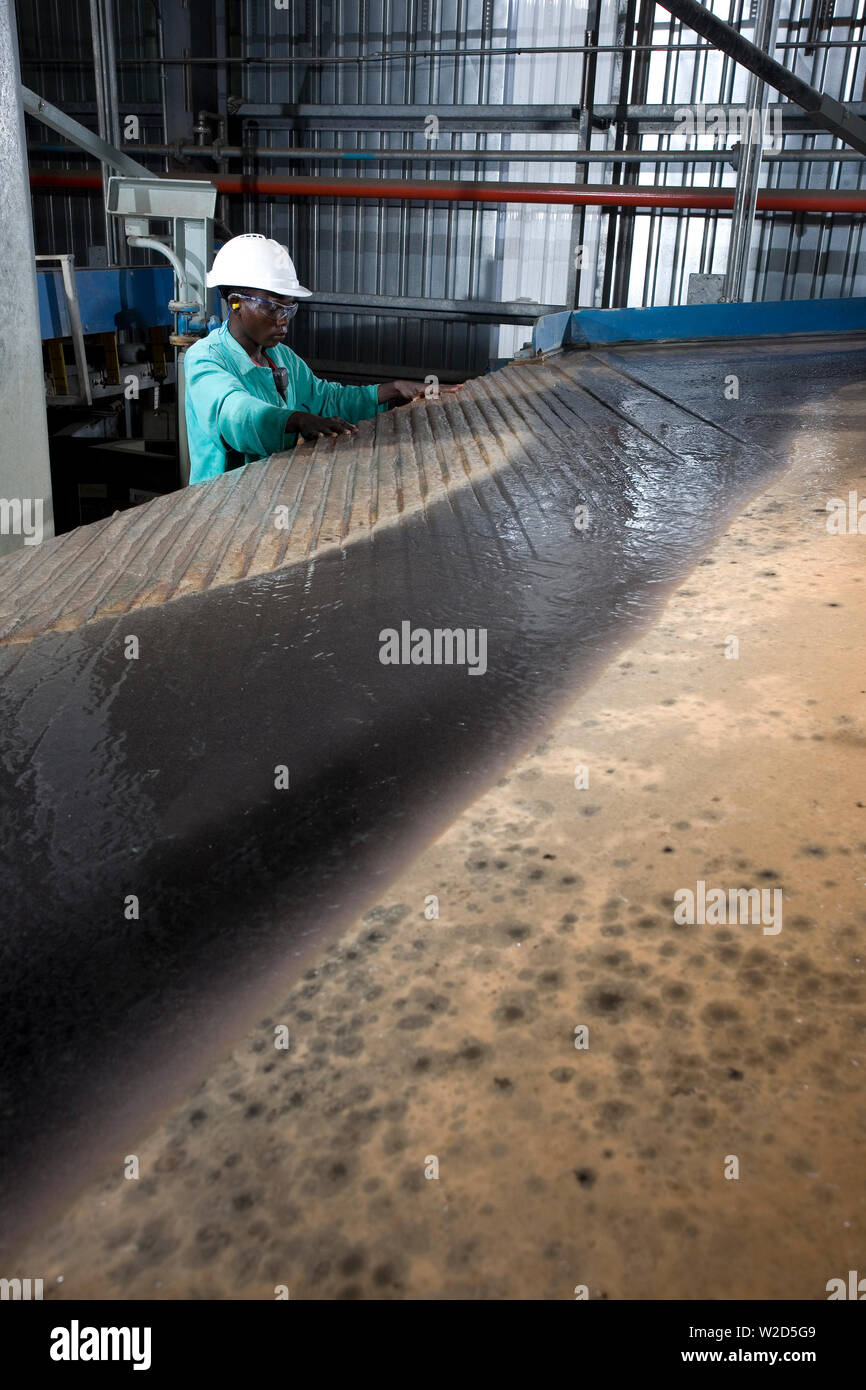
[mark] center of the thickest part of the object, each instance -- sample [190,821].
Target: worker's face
[259,315]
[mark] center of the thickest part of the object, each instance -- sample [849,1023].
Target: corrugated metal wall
[412,250]
[446,251]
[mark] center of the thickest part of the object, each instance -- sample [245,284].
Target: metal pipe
[424,53]
[105,78]
[593,195]
[497,118]
[749,164]
[832,115]
[163,76]
[663,116]
[303,154]
[576,268]
[110,49]
[621,225]
[151,243]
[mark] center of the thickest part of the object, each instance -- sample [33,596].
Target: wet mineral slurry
[155,777]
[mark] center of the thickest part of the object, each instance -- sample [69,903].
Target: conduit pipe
[297,153]
[152,243]
[841,202]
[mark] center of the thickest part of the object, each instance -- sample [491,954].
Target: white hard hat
[258,263]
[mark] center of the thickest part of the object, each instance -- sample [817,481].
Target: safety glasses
[269,307]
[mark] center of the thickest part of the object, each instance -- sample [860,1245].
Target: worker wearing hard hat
[247,394]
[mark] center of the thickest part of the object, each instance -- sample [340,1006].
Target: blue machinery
[136,298]
[108,300]
[695,321]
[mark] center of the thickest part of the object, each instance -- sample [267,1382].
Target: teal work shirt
[233,403]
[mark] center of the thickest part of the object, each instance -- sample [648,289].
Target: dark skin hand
[408,391]
[255,329]
[317,426]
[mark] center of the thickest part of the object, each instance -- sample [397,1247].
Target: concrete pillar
[26,511]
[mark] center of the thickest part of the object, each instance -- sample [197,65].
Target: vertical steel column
[622,224]
[25,472]
[193,244]
[587,101]
[179,114]
[105,77]
[749,161]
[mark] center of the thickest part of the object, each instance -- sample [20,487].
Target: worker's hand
[317,426]
[402,391]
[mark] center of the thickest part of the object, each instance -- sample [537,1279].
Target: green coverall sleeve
[351,403]
[226,411]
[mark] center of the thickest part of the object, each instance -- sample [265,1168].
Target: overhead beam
[87,140]
[830,114]
[484,120]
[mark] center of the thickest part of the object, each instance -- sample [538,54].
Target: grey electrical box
[705,289]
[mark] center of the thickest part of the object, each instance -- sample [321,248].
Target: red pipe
[593,195]
[59,181]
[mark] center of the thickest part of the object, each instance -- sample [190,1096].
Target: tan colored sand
[453,1038]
